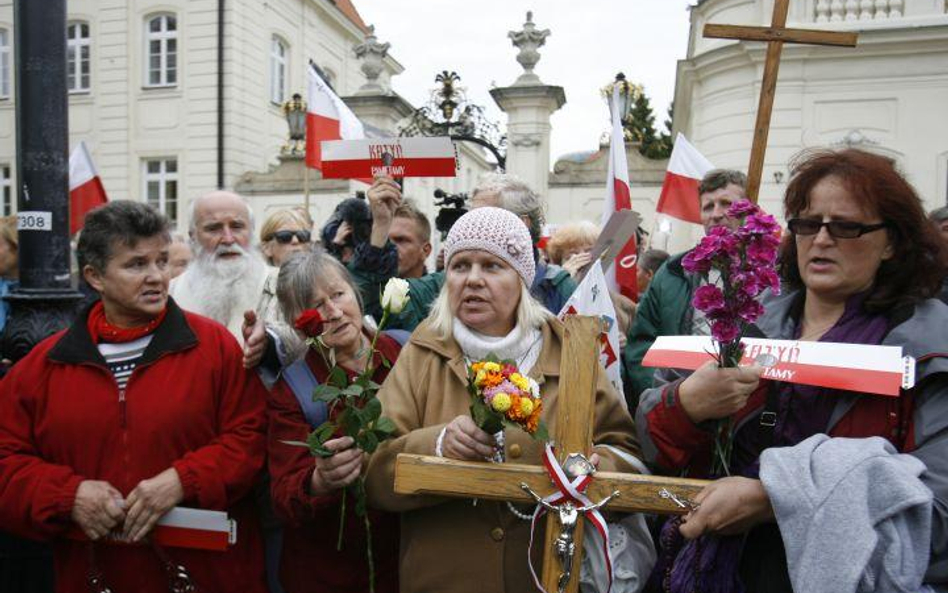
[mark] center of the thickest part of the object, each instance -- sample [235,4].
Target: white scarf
[522,347]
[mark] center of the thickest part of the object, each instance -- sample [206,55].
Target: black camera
[452,208]
[354,211]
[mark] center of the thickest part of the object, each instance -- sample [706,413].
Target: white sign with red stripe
[395,157]
[182,527]
[196,528]
[880,370]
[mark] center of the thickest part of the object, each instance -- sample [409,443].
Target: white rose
[395,295]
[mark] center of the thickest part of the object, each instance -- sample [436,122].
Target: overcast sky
[589,43]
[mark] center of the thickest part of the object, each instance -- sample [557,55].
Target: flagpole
[306,187]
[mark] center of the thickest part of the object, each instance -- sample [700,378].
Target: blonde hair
[530,312]
[571,236]
[281,217]
[8,231]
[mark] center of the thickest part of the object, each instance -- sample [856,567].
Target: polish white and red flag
[882,370]
[327,118]
[85,188]
[183,527]
[395,157]
[685,170]
[621,275]
[592,298]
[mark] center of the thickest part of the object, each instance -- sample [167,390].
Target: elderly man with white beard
[229,281]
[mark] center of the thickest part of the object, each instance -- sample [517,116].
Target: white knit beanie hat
[498,232]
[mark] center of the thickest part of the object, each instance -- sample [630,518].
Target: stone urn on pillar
[528,104]
[528,40]
[371,53]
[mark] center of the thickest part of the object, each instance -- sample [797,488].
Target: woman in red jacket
[138,407]
[307,491]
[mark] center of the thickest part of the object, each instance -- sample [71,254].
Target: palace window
[6,190]
[161,186]
[161,51]
[277,71]
[6,63]
[78,64]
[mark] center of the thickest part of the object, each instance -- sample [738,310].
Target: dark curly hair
[914,272]
[123,222]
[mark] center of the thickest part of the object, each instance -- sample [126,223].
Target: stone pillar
[528,104]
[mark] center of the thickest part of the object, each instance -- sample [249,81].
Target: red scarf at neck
[102,331]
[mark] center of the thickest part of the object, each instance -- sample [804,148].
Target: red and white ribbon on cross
[574,492]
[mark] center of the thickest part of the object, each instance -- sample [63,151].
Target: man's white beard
[226,286]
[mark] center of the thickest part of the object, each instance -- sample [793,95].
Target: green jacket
[664,310]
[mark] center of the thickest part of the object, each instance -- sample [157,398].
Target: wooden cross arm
[421,474]
[768,34]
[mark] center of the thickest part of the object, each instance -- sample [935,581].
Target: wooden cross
[775,35]
[419,474]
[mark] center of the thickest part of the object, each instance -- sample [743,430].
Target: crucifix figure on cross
[775,36]
[528,484]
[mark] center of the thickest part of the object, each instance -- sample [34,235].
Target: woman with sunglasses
[859,265]
[284,233]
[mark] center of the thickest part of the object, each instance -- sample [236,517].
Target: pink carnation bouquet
[745,262]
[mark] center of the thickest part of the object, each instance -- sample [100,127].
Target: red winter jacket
[310,562]
[189,404]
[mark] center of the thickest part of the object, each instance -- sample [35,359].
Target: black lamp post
[45,301]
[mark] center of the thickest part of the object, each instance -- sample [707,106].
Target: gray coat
[853,514]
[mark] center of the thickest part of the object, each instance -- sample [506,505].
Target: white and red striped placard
[196,528]
[183,527]
[395,157]
[880,370]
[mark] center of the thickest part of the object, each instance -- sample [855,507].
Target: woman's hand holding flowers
[338,470]
[711,392]
[465,441]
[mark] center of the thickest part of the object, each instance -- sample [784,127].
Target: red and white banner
[880,370]
[182,527]
[621,274]
[327,118]
[686,168]
[591,297]
[395,157]
[85,188]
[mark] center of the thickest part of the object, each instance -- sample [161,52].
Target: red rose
[310,322]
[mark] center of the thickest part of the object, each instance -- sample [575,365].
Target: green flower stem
[367,373]
[368,535]
[342,519]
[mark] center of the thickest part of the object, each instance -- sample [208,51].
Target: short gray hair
[938,215]
[301,274]
[530,312]
[515,196]
[716,179]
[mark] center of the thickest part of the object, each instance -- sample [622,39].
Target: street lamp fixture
[628,93]
[295,112]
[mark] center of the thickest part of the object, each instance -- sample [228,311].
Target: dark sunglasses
[839,229]
[286,237]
